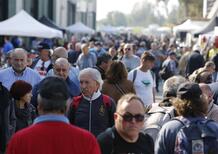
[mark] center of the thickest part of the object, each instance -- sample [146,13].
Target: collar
[94,96]
[18,74]
[51,117]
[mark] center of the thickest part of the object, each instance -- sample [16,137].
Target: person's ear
[115,116]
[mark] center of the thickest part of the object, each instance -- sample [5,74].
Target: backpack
[77,100]
[165,72]
[157,117]
[196,137]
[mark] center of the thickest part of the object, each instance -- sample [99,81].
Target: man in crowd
[61,52]
[103,62]
[61,69]
[143,80]
[42,63]
[212,112]
[130,60]
[125,136]
[191,106]
[51,131]
[19,70]
[92,110]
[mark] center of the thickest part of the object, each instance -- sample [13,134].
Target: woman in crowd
[116,83]
[25,112]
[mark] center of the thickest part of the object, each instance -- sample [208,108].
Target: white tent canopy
[80,28]
[22,24]
[108,29]
[189,26]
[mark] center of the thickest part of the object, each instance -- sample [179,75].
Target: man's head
[19,60]
[205,88]
[44,51]
[59,52]
[129,117]
[90,81]
[104,61]
[172,55]
[85,48]
[52,96]
[62,68]
[128,50]
[190,100]
[210,66]
[147,60]
[112,51]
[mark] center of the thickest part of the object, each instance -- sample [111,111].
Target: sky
[105,6]
[126,6]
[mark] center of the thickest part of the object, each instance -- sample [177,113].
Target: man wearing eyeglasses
[130,60]
[125,136]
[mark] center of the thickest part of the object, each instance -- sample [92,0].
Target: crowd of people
[97,95]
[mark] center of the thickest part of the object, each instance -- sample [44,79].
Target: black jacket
[93,116]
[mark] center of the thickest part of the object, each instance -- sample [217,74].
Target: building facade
[62,12]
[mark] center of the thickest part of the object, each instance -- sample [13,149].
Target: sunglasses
[128,117]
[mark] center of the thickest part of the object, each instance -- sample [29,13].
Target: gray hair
[94,74]
[171,85]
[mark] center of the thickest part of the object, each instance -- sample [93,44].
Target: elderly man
[130,60]
[125,136]
[92,110]
[61,69]
[19,70]
[61,52]
[86,58]
[212,112]
[51,131]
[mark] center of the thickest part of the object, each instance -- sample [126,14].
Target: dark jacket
[112,143]
[73,90]
[24,117]
[195,61]
[99,119]
[7,118]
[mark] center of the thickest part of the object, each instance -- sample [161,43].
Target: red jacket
[53,138]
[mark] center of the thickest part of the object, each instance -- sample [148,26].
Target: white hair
[94,74]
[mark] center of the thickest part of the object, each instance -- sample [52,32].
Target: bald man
[61,52]
[125,136]
[212,112]
[61,69]
[18,70]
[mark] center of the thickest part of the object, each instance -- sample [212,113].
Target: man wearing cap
[42,63]
[191,105]
[51,131]
[18,70]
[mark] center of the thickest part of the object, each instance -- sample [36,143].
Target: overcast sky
[105,6]
[126,6]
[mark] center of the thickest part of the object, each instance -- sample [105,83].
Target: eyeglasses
[128,117]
